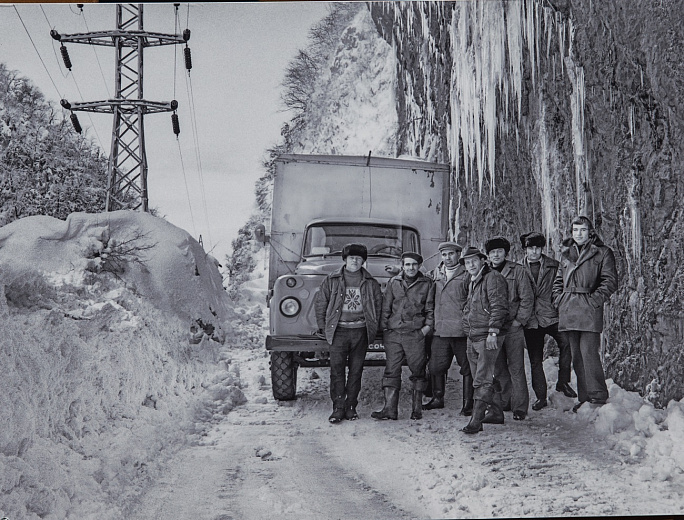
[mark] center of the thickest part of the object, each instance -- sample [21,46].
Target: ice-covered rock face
[549,111]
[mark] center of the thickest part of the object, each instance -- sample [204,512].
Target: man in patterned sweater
[348,306]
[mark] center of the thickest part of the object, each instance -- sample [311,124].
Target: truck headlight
[290,307]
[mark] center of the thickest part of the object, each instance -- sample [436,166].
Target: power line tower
[127,170]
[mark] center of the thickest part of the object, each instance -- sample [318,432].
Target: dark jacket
[545,313]
[330,297]
[584,282]
[407,307]
[520,294]
[486,309]
[449,300]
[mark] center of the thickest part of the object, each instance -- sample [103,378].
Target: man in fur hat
[407,317]
[450,291]
[544,320]
[586,279]
[348,307]
[512,393]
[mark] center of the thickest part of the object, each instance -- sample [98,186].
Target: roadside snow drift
[110,325]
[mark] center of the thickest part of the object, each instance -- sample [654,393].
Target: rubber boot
[467,409]
[391,408]
[417,412]
[494,414]
[437,401]
[475,424]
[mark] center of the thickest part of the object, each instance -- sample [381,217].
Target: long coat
[330,297]
[487,306]
[545,313]
[407,307]
[584,282]
[450,299]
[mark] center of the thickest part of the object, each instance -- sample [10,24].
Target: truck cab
[322,203]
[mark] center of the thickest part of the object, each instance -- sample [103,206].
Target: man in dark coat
[544,320]
[484,318]
[586,279]
[450,291]
[512,392]
[348,306]
[407,317]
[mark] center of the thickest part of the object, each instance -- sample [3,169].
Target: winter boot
[494,414]
[437,401]
[391,408]
[475,424]
[467,409]
[350,412]
[338,411]
[417,412]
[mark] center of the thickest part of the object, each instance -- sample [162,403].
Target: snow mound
[156,260]
[102,374]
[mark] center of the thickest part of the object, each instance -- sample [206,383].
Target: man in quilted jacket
[407,317]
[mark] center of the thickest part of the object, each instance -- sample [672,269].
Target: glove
[319,334]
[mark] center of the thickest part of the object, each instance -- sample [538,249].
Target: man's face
[353,263]
[473,264]
[410,267]
[533,253]
[580,233]
[449,257]
[497,256]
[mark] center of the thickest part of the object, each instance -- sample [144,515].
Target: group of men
[481,308]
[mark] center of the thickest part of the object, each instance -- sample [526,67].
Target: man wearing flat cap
[512,393]
[544,320]
[347,307]
[450,291]
[407,318]
[484,317]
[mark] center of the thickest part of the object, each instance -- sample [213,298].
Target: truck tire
[283,376]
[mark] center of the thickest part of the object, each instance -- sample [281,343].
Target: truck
[320,204]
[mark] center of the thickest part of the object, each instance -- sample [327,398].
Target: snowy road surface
[267,458]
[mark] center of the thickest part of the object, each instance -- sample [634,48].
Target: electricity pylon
[127,169]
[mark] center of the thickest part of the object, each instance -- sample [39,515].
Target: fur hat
[414,256]
[355,250]
[453,246]
[471,251]
[497,243]
[533,239]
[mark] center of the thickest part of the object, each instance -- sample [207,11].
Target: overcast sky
[239,54]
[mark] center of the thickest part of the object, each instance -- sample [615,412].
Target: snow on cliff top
[155,259]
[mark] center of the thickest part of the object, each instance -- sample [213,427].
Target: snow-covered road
[267,458]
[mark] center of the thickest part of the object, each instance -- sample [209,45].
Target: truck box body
[320,203]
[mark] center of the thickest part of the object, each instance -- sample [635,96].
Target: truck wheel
[283,375]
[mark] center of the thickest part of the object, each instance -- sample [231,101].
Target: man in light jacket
[586,279]
[450,292]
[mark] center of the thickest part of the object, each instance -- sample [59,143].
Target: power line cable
[38,53]
[187,190]
[193,118]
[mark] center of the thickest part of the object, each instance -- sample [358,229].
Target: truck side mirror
[260,233]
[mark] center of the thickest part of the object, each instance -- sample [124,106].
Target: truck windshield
[380,239]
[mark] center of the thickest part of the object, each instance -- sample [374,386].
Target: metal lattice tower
[127,170]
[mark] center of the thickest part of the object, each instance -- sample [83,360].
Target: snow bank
[99,374]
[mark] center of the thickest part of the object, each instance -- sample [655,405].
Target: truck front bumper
[297,343]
